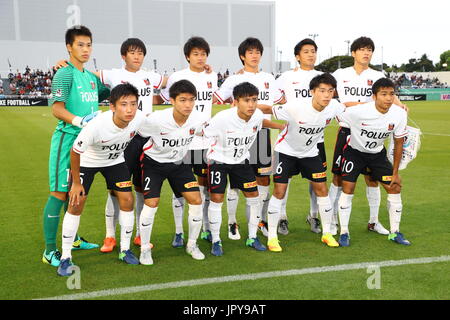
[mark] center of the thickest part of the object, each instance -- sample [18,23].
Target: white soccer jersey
[295,84]
[101,143]
[265,82]
[144,81]
[206,84]
[232,136]
[305,127]
[370,128]
[168,141]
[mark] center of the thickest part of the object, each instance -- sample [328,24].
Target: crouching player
[99,148]
[171,131]
[233,132]
[297,152]
[370,125]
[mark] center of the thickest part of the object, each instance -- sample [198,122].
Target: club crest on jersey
[369,82]
[147,82]
[255,128]
[191,131]
[132,134]
[266,84]
[391,126]
[93,85]
[328,121]
[209,84]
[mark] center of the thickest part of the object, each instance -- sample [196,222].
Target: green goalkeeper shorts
[59,161]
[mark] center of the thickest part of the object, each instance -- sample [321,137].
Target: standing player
[294,84]
[370,125]
[171,130]
[354,86]
[133,52]
[75,96]
[99,148]
[196,52]
[297,152]
[250,53]
[234,131]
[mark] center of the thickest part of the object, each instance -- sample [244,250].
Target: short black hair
[362,42]
[325,78]
[75,31]
[132,43]
[123,90]
[182,86]
[195,42]
[245,89]
[300,45]
[382,83]
[248,44]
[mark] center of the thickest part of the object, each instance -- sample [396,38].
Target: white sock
[283,213]
[215,219]
[232,203]
[395,211]
[345,209]
[111,215]
[273,216]
[195,223]
[334,193]
[146,226]
[69,231]
[374,198]
[139,204]
[264,198]
[253,204]
[326,213]
[313,203]
[126,221]
[205,204]
[178,210]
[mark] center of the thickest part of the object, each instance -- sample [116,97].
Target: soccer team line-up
[209,159]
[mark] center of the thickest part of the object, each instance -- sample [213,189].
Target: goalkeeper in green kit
[76,93]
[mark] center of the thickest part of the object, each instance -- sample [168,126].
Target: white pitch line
[436,134]
[252,276]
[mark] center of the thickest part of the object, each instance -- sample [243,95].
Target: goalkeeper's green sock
[51,222]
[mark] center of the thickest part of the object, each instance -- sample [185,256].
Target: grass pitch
[24,143]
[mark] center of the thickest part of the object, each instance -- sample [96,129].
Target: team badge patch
[255,128]
[124,184]
[386,178]
[58,93]
[266,84]
[328,121]
[147,82]
[391,126]
[93,85]
[319,175]
[191,131]
[132,134]
[250,185]
[209,84]
[369,82]
[192,184]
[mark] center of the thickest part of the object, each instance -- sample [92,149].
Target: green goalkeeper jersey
[81,91]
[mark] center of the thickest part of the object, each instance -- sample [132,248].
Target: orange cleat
[108,245]
[137,242]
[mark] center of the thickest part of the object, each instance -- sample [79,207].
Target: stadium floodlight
[348,47]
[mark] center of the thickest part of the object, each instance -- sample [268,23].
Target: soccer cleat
[377,227]
[283,227]
[206,235]
[333,229]
[314,224]
[83,244]
[216,249]
[274,245]
[195,252]
[399,238]
[178,240]
[128,257]
[263,227]
[65,268]
[53,258]
[146,257]
[344,240]
[137,241]
[233,231]
[329,240]
[108,245]
[255,244]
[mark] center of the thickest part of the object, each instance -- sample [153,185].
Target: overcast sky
[401,29]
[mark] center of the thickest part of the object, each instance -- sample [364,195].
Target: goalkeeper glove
[81,122]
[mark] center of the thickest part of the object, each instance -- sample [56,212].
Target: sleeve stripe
[160,82]
[77,151]
[219,97]
[161,94]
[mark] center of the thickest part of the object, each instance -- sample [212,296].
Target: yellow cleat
[329,240]
[274,245]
